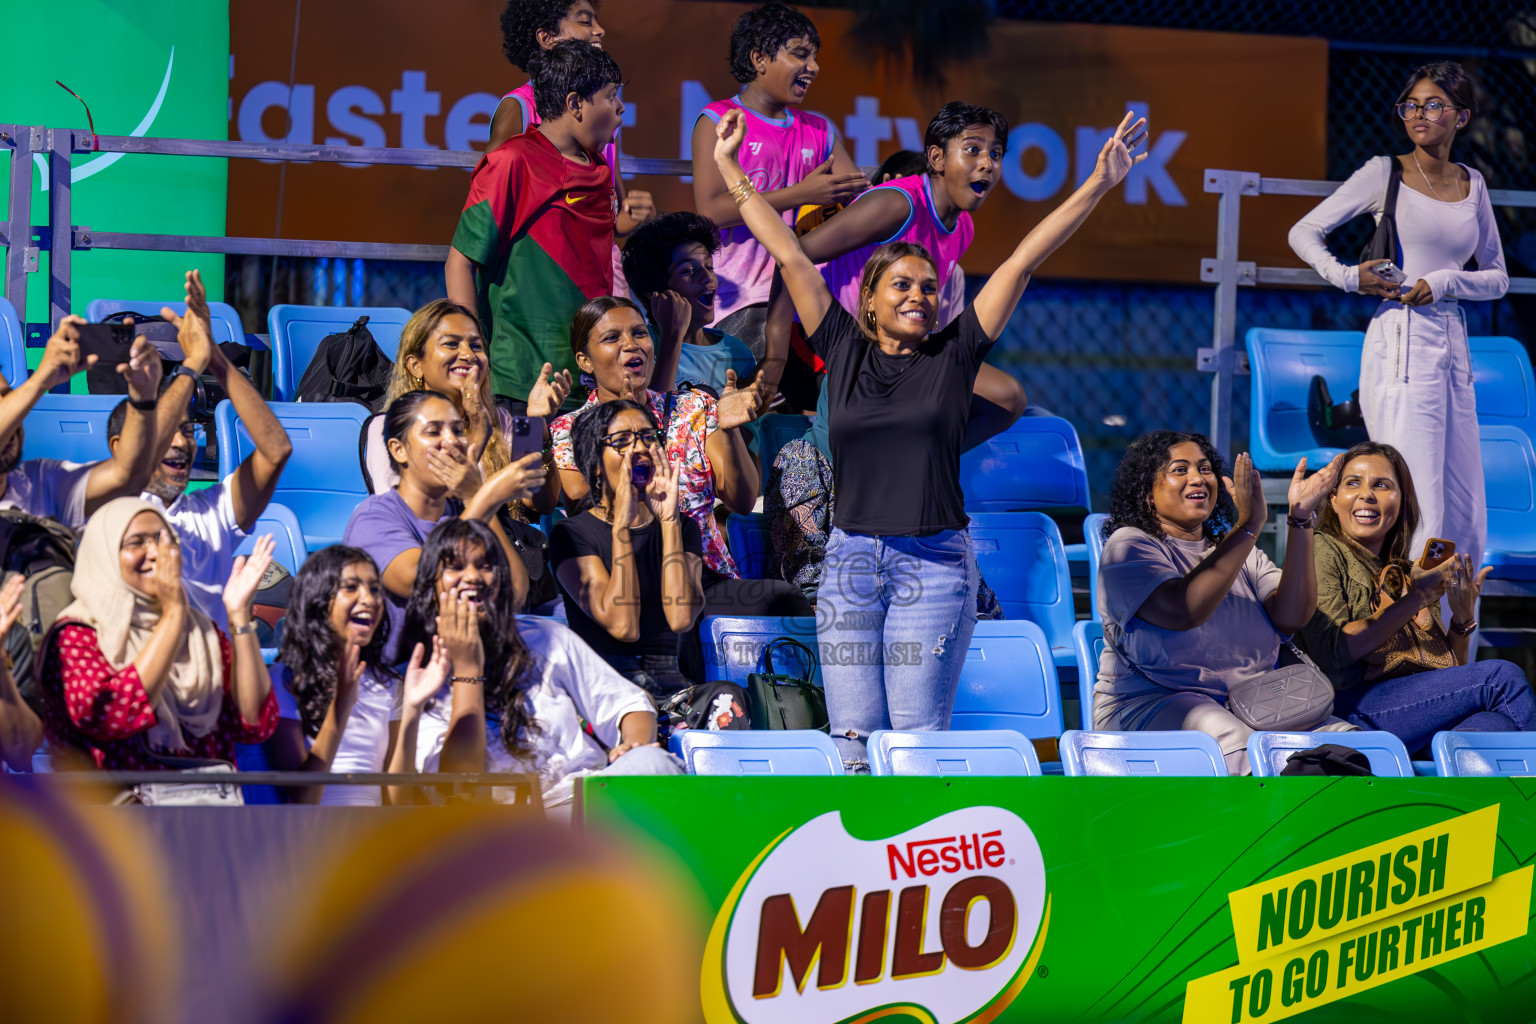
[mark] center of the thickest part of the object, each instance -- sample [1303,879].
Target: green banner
[1205,901]
[155,68]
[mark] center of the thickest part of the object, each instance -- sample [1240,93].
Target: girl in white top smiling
[1416,373]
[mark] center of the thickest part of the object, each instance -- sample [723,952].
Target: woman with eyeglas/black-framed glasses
[1416,371]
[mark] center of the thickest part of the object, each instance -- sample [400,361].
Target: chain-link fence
[1118,359]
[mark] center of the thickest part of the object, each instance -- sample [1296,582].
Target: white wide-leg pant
[1416,395]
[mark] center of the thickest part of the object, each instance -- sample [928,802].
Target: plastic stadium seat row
[13,345]
[296,333]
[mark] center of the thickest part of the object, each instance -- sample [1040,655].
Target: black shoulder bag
[1383,242]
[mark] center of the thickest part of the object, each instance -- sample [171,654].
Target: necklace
[1430,183]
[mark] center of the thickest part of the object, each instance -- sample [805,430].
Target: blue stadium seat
[983,752]
[1281,366]
[1093,537]
[13,345]
[1036,463]
[226,323]
[1024,561]
[1141,753]
[778,429]
[296,333]
[747,537]
[733,646]
[1009,681]
[1483,754]
[1509,480]
[770,752]
[1088,645]
[289,549]
[1503,382]
[1267,751]
[323,481]
[69,427]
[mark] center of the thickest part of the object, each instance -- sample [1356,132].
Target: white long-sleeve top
[1437,239]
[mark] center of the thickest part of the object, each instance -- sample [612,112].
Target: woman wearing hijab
[133,672]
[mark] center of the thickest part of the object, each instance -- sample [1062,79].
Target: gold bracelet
[742,191]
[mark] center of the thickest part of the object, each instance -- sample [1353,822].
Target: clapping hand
[1464,585]
[10,603]
[548,392]
[349,672]
[194,329]
[424,678]
[240,590]
[1247,491]
[740,404]
[1308,492]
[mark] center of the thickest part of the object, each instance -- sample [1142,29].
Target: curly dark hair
[509,664]
[587,433]
[309,646]
[523,20]
[1130,500]
[765,30]
[570,67]
[648,253]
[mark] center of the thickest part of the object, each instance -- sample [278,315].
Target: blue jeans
[894,622]
[1485,696]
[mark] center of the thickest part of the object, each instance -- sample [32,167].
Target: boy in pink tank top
[964,145]
[791,157]
[531,25]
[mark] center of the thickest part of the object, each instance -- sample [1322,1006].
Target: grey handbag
[1295,698]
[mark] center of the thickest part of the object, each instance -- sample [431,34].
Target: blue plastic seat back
[733,646]
[1140,753]
[1093,537]
[1509,481]
[13,345]
[1024,561]
[1088,645]
[1503,382]
[981,752]
[1281,365]
[1008,681]
[69,427]
[769,752]
[1036,463]
[1267,751]
[1483,754]
[289,549]
[750,544]
[296,333]
[322,483]
[776,430]
[226,323]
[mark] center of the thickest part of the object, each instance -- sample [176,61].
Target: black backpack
[43,551]
[348,367]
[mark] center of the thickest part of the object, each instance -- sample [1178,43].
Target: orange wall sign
[403,73]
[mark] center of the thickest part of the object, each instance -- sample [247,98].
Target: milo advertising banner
[1203,901]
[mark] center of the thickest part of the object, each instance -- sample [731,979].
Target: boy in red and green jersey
[537,228]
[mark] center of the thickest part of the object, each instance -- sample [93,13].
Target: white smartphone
[1389,272]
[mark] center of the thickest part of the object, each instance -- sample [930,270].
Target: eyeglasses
[1408,110]
[623,440]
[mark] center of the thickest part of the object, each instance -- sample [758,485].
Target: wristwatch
[1302,524]
[1466,630]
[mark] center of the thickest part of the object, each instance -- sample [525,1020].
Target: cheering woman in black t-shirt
[897,602]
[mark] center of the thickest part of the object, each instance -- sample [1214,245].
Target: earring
[418,383]
[869,318]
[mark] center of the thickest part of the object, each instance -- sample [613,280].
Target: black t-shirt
[588,535]
[896,424]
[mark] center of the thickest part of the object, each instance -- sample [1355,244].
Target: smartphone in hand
[527,436]
[109,343]
[1389,272]
[1436,551]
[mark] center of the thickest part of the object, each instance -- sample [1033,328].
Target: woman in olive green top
[1366,525]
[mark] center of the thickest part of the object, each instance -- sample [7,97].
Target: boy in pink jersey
[528,26]
[965,145]
[792,158]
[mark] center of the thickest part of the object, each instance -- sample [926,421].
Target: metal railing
[1228,273]
[61,237]
[525,787]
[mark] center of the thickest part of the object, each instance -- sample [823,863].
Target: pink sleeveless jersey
[523,95]
[775,155]
[845,274]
